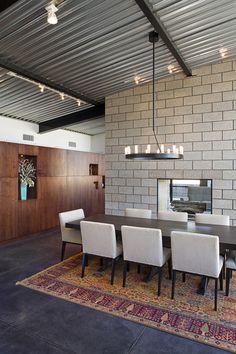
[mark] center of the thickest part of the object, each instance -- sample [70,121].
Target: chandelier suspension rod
[153,89]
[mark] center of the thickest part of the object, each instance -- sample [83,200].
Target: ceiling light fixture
[51,10]
[62,95]
[223,52]
[171,69]
[161,153]
[136,79]
[43,87]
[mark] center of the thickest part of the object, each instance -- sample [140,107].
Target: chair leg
[183,277]
[139,268]
[101,261]
[113,266]
[128,266]
[63,247]
[216,293]
[84,260]
[221,279]
[159,281]
[173,284]
[227,281]
[170,268]
[125,273]
[224,268]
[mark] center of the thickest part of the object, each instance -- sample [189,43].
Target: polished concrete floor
[31,322]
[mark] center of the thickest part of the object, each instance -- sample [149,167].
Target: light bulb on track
[52,17]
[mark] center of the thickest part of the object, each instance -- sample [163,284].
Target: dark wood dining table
[227,234]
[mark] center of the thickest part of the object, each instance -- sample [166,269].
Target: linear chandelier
[43,87]
[161,153]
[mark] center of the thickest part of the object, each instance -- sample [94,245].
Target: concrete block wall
[198,112]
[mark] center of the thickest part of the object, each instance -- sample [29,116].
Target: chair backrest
[212,219]
[195,253]
[98,238]
[142,245]
[67,234]
[172,216]
[138,213]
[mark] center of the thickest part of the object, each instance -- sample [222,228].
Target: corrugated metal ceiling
[199,28]
[98,46]
[21,99]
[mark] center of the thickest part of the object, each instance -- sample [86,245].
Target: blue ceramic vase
[23,191]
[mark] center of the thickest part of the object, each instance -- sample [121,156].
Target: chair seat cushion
[231,260]
[72,236]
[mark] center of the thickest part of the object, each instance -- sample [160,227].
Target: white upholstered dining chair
[213,219]
[70,235]
[99,239]
[230,267]
[144,246]
[172,216]
[197,254]
[138,213]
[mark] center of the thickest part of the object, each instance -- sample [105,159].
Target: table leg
[203,286]
[105,264]
[153,271]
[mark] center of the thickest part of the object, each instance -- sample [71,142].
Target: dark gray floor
[31,322]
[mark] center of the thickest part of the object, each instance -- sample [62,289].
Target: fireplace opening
[184,195]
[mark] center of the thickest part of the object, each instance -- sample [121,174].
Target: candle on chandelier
[136,149]
[127,150]
[181,150]
[162,148]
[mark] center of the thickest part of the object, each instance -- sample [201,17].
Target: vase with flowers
[27,175]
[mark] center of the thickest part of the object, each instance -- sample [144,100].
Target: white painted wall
[98,143]
[12,130]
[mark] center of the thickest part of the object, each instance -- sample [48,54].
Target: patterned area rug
[190,315]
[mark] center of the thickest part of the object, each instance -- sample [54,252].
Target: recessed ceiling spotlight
[137,79]
[51,10]
[223,52]
[171,69]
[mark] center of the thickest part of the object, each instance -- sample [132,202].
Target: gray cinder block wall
[197,112]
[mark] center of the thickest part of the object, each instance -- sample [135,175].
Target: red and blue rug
[190,315]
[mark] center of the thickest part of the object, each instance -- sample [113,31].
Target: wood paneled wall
[63,183]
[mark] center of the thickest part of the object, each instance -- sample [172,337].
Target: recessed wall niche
[93,169]
[27,177]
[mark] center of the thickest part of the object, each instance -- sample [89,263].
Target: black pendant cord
[153,93]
